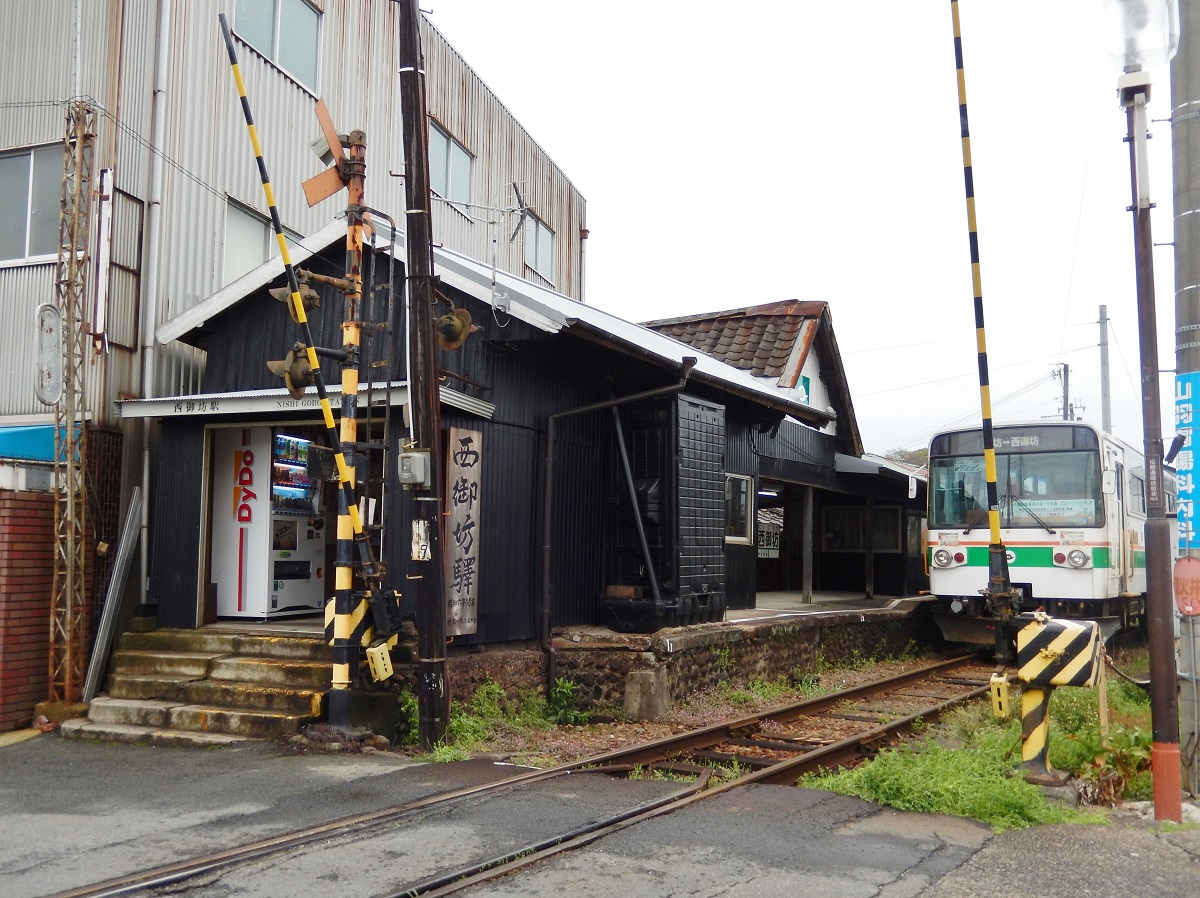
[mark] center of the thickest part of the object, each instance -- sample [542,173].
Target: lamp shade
[1141,33]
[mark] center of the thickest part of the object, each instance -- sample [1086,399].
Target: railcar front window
[1034,490]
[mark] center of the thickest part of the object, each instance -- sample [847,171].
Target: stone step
[202,641]
[217,642]
[256,696]
[160,663]
[148,686]
[144,712]
[236,721]
[294,674]
[84,728]
[160,715]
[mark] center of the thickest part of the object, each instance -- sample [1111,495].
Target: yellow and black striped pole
[350,529]
[999,591]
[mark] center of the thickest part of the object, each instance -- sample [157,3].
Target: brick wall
[26,579]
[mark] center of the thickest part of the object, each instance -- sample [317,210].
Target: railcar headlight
[1077,558]
[942,558]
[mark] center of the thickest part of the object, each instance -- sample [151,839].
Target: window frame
[746,536]
[270,242]
[533,260]
[272,54]
[448,190]
[30,154]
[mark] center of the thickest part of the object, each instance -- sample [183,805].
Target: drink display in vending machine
[297,528]
[268,536]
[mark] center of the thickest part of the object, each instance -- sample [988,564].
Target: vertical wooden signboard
[463,490]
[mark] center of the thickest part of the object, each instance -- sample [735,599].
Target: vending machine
[268,543]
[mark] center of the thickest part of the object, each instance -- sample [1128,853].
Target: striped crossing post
[1050,653]
[999,591]
[349,526]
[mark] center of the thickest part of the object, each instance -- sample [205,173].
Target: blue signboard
[1187,403]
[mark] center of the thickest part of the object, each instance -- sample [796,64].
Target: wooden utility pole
[432,694]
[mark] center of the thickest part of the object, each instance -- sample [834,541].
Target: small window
[247,242]
[739,509]
[450,167]
[30,196]
[887,528]
[539,247]
[285,31]
[843,529]
[1137,494]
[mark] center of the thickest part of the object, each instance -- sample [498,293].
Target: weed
[966,764]
[561,706]
[933,779]
[724,663]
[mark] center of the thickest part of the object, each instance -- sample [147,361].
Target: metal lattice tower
[68,611]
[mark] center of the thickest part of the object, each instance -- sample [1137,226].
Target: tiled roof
[758,339]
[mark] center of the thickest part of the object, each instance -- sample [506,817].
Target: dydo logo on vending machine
[244,496]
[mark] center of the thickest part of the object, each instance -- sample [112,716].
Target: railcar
[1072,504]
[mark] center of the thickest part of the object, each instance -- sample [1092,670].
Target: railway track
[776,746]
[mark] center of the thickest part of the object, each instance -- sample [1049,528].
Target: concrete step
[201,641]
[121,685]
[270,671]
[236,721]
[159,715]
[217,642]
[160,663]
[255,696]
[130,711]
[84,728]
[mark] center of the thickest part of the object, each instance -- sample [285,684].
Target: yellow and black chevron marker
[1054,652]
[1051,653]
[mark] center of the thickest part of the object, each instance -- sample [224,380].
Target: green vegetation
[968,764]
[563,706]
[490,713]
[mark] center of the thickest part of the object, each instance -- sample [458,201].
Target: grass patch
[491,713]
[937,780]
[967,765]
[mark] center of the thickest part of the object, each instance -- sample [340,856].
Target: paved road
[74,812]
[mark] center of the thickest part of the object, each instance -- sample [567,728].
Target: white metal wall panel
[23,290]
[209,159]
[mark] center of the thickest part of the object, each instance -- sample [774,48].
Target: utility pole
[1066,379]
[1134,92]
[433,697]
[1105,398]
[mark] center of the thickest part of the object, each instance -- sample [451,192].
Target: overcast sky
[739,154]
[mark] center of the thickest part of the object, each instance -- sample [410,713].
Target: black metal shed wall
[177,522]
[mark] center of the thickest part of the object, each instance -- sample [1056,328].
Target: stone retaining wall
[645,673]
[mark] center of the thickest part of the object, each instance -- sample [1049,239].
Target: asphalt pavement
[75,812]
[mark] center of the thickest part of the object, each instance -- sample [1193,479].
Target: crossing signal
[295,370]
[453,328]
[309,298]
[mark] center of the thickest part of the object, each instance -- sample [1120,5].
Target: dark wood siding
[178,517]
[740,561]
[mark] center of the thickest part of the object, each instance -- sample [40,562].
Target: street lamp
[1145,33]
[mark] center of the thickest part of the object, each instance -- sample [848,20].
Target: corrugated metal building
[188,215]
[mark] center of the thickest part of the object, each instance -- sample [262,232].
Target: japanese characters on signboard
[1187,392]
[463,489]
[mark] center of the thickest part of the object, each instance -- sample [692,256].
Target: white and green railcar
[1072,504]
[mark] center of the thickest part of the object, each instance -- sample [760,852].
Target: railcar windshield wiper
[1013,500]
